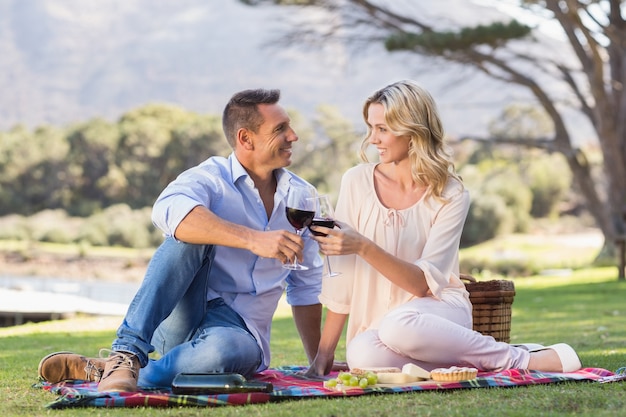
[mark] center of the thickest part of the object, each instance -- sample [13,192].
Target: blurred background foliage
[94,183]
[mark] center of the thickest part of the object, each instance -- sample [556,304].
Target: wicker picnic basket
[491,302]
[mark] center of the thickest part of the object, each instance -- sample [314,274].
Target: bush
[550,179]
[130,228]
[508,185]
[54,226]
[56,235]
[486,217]
[505,268]
[501,201]
[119,225]
[94,231]
[14,227]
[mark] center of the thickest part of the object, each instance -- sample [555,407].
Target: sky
[69,61]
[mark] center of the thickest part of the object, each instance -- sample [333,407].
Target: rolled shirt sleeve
[197,186]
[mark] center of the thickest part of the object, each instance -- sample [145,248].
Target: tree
[588,79]
[329,147]
[91,158]
[32,170]
[547,175]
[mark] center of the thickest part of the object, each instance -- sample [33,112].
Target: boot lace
[123,361]
[92,372]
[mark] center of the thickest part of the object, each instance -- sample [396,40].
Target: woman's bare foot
[546,360]
[555,358]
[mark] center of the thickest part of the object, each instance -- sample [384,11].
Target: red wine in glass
[325,222]
[300,210]
[299,219]
[324,216]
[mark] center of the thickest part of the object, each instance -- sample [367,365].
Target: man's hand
[278,244]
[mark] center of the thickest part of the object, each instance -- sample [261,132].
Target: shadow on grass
[591,317]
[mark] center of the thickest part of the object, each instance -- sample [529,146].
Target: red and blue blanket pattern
[289,384]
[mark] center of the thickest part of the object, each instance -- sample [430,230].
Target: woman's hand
[342,240]
[322,365]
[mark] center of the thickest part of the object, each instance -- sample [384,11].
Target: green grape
[348,379]
[331,383]
[344,376]
[372,378]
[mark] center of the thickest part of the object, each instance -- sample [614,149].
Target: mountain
[72,60]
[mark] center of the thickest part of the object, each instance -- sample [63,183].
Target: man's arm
[308,321]
[201,226]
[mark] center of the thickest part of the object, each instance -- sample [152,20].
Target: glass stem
[330,272]
[295,258]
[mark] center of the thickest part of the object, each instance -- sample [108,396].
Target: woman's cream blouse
[427,234]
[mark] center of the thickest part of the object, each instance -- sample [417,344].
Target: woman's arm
[345,240]
[324,360]
[405,275]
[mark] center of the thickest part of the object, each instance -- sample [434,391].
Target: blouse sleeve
[440,255]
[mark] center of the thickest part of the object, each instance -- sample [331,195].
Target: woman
[401,223]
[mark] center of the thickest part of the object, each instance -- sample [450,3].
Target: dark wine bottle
[216,383]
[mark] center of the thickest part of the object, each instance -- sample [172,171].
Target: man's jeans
[170,313]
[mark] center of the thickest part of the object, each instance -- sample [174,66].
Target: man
[211,289]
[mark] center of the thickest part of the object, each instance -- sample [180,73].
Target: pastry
[454,373]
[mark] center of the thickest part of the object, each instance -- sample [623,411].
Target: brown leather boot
[60,366]
[121,372]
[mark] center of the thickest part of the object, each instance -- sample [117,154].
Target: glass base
[296,267]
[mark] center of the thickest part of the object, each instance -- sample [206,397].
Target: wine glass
[324,216]
[300,211]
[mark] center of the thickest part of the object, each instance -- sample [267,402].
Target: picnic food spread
[352,380]
[364,377]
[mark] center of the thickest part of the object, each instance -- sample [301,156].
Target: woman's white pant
[432,334]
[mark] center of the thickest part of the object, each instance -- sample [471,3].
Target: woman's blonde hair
[411,111]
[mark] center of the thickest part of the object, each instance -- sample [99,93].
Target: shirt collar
[238,171]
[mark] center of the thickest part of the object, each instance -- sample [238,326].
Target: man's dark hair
[242,111]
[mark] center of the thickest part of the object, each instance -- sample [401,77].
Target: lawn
[585,309]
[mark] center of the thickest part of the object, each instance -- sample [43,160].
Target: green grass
[527,254]
[586,310]
[72,249]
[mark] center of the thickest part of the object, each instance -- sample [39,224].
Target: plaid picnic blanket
[288,384]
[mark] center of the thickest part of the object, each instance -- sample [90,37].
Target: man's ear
[244,139]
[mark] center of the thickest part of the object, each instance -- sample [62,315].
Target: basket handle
[467,277]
